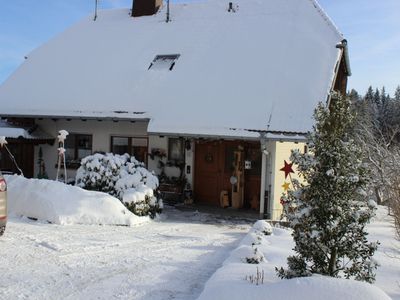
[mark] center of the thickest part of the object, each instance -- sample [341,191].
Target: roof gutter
[270,136]
[80,117]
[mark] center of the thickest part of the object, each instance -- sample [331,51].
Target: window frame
[171,140]
[130,144]
[172,58]
[76,161]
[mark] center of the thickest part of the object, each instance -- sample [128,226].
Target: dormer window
[164,62]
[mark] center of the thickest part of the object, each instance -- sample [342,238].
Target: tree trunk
[332,262]
[378,196]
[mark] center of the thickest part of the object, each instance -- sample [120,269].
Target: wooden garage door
[213,169]
[208,168]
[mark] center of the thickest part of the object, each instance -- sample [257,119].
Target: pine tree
[397,94]
[369,104]
[369,96]
[354,96]
[377,98]
[384,113]
[395,109]
[42,168]
[328,212]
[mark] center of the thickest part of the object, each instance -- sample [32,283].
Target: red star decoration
[287,169]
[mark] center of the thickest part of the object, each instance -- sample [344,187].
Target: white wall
[101,132]
[189,160]
[162,143]
[281,151]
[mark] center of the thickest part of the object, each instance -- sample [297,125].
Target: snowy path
[170,259]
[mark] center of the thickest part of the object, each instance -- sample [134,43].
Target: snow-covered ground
[167,259]
[233,279]
[174,257]
[388,254]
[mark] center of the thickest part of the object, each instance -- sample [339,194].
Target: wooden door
[23,154]
[208,172]
[253,175]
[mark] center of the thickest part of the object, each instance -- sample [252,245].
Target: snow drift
[63,204]
[261,251]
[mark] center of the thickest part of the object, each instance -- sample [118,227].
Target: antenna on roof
[168,19]
[95,10]
[270,116]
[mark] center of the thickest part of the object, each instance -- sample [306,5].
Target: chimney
[145,7]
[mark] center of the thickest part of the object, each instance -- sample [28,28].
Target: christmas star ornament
[287,169]
[285,186]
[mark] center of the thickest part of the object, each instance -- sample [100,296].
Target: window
[164,62]
[176,150]
[253,155]
[77,146]
[229,158]
[135,146]
[120,145]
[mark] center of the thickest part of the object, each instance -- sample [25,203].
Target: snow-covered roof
[269,59]
[14,132]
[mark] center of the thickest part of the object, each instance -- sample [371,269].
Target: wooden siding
[212,171]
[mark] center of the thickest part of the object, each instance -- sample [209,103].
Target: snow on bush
[263,227]
[141,201]
[59,203]
[329,210]
[121,176]
[256,256]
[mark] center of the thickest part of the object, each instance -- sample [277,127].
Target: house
[223,90]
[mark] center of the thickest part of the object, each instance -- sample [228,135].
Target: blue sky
[371,27]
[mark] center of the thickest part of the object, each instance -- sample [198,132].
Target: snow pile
[241,277]
[63,204]
[121,176]
[388,255]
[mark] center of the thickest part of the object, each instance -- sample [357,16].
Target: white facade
[101,132]
[161,142]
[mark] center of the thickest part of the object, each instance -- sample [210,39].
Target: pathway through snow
[170,259]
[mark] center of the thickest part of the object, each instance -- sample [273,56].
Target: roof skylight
[164,62]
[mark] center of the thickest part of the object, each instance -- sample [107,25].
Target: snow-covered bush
[142,201]
[263,227]
[121,176]
[256,257]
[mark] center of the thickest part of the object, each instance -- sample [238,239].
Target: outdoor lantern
[188,145]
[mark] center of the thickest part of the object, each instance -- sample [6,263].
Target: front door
[208,168]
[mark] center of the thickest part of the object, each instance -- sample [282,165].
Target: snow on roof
[14,132]
[272,58]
